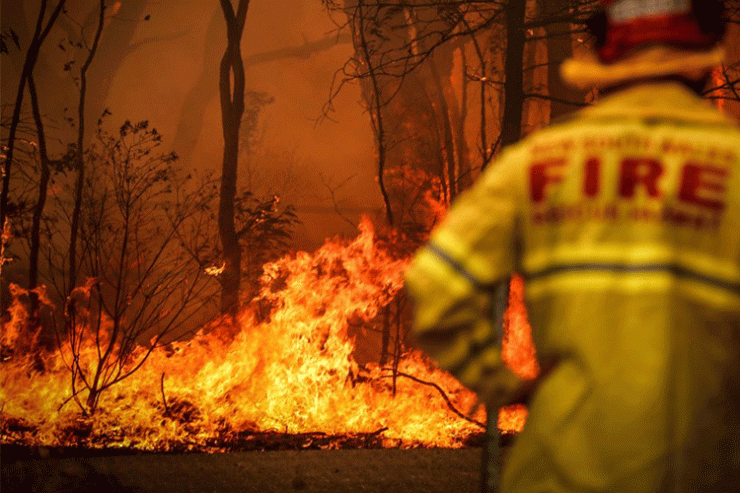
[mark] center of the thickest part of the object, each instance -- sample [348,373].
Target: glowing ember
[216,271]
[286,366]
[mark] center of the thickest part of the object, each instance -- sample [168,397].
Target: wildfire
[286,366]
[215,271]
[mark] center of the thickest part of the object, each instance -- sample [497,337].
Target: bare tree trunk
[27,73]
[511,130]
[38,210]
[114,49]
[563,98]
[232,108]
[46,337]
[486,149]
[196,101]
[376,106]
[449,174]
[58,89]
[386,336]
[513,86]
[464,171]
[80,153]
[30,61]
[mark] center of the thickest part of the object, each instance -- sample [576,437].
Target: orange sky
[154,80]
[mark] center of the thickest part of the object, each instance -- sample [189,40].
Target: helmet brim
[652,62]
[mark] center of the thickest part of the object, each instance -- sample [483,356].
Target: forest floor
[280,471]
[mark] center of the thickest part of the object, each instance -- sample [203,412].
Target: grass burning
[284,374]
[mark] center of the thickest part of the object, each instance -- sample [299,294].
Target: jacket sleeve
[454,279]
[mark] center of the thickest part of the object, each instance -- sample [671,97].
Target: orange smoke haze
[296,360]
[299,158]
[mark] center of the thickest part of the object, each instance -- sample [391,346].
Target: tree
[561,16]
[72,33]
[232,109]
[724,88]
[39,35]
[26,78]
[142,283]
[408,60]
[513,84]
[206,87]
[79,155]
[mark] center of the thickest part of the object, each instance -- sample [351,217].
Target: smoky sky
[303,161]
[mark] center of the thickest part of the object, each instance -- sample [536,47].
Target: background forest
[156,155]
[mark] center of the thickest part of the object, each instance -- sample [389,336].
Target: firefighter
[624,220]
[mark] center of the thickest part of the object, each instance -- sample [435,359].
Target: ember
[286,368]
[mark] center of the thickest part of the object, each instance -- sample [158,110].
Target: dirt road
[377,470]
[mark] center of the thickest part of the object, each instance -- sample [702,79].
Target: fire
[216,271]
[285,366]
[719,80]
[518,352]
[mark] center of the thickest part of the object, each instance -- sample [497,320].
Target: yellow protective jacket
[625,222]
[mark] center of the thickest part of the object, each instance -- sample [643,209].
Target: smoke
[320,167]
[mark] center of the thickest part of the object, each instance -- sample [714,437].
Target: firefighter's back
[631,249]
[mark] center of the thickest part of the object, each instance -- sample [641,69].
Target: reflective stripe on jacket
[625,221]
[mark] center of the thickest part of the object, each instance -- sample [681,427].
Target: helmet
[639,39]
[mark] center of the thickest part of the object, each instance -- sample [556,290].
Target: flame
[518,349]
[286,365]
[518,352]
[215,271]
[719,80]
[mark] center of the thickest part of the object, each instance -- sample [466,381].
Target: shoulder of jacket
[657,102]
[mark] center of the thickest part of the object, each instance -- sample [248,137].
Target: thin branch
[332,194]
[559,100]
[444,396]
[164,397]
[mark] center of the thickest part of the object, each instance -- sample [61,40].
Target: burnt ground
[280,471]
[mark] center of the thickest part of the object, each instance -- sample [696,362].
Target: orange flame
[718,80]
[518,352]
[290,368]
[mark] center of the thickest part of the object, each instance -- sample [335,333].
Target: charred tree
[204,90]
[511,130]
[121,23]
[561,19]
[32,54]
[38,210]
[232,109]
[486,147]
[46,336]
[375,101]
[58,90]
[514,83]
[79,152]
[40,34]
[446,135]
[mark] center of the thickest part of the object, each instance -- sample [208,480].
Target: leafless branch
[444,396]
